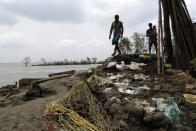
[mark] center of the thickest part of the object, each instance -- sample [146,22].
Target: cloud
[73,29]
[65,43]
[7,18]
[14,40]
[72,11]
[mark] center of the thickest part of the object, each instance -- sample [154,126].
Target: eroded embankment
[127,91]
[122,94]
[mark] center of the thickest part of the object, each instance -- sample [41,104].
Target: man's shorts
[115,39]
[152,41]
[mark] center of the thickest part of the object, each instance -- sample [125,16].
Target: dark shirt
[149,33]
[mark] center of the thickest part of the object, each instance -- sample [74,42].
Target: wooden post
[159,39]
[161,26]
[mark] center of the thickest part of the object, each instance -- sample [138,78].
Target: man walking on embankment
[151,36]
[118,30]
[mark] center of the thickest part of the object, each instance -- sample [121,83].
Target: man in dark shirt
[117,29]
[150,36]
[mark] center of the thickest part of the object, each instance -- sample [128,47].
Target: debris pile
[127,93]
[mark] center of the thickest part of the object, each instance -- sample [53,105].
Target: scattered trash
[167,65]
[120,67]
[126,99]
[109,74]
[168,107]
[107,90]
[173,71]
[90,71]
[145,57]
[114,98]
[111,64]
[144,87]
[135,66]
[127,91]
[190,98]
[122,62]
[101,81]
[115,77]
[140,77]
[149,109]
[141,104]
[124,84]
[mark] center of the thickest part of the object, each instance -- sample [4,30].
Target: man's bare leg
[150,46]
[117,48]
[114,50]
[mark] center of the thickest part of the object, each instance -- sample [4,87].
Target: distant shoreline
[61,64]
[14,72]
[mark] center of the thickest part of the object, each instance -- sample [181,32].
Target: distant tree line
[137,44]
[88,60]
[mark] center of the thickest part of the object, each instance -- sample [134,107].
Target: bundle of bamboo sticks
[182,27]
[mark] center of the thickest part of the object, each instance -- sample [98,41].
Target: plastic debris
[122,62]
[144,87]
[107,90]
[109,74]
[135,66]
[115,77]
[120,67]
[140,77]
[125,83]
[190,98]
[146,57]
[111,64]
[126,99]
[149,109]
[90,71]
[115,98]
[127,91]
[168,107]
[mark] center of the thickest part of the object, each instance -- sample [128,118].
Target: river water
[12,72]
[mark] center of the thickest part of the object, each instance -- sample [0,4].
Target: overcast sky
[69,29]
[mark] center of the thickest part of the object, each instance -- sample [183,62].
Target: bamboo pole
[167,31]
[161,28]
[159,40]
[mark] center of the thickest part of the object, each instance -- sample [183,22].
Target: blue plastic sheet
[168,107]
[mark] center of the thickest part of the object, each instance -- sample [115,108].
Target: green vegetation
[134,45]
[67,62]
